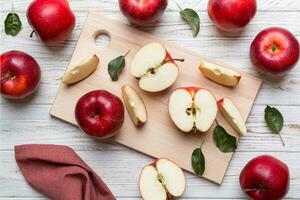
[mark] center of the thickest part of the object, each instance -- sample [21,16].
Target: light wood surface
[29,121]
[159,137]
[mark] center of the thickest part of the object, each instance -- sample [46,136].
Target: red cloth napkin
[59,173]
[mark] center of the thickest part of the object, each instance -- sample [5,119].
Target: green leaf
[115,66]
[225,142]
[192,18]
[274,119]
[12,24]
[198,161]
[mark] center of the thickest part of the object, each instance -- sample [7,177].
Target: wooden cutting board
[158,137]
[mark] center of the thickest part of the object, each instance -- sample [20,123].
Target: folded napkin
[59,173]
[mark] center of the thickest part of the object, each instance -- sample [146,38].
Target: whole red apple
[265,178]
[274,51]
[143,12]
[51,20]
[20,74]
[99,114]
[231,15]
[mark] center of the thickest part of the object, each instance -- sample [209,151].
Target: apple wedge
[134,105]
[81,71]
[232,115]
[161,180]
[154,68]
[193,108]
[220,74]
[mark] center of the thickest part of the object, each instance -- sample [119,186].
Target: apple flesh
[231,15]
[81,71]
[192,108]
[99,114]
[154,68]
[134,105]
[265,177]
[274,51]
[142,12]
[52,21]
[220,74]
[232,115]
[20,75]
[161,180]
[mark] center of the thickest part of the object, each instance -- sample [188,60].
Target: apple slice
[161,180]
[193,108]
[81,71]
[154,68]
[232,115]
[220,74]
[134,105]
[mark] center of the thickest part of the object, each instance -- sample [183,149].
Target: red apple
[20,74]
[51,20]
[143,12]
[231,15]
[99,113]
[274,51]
[265,178]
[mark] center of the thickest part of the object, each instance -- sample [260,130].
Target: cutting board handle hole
[102,39]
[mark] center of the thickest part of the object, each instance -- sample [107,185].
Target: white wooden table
[119,167]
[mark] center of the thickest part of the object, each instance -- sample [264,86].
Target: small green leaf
[198,161]
[115,66]
[192,18]
[225,142]
[12,24]
[274,119]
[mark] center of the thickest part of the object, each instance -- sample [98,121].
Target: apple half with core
[81,71]
[220,74]
[134,105]
[161,180]
[154,68]
[99,114]
[193,108]
[232,115]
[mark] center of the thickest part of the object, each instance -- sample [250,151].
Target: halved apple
[154,68]
[81,71]
[161,180]
[232,115]
[193,108]
[220,74]
[134,105]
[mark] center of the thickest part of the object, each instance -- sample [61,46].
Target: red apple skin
[142,12]
[20,75]
[265,177]
[99,114]
[231,15]
[52,20]
[274,51]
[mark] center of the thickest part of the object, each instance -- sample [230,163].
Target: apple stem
[31,34]
[250,190]
[176,59]
[280,136]
[8,76]
[127,53]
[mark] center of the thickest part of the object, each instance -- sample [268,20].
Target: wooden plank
[120,171]
[35,117]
